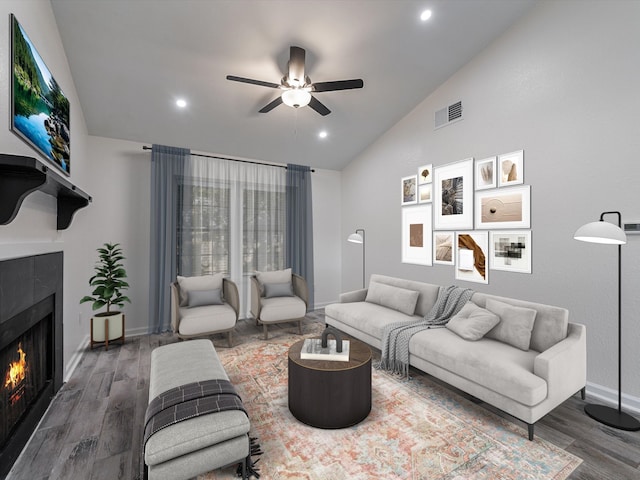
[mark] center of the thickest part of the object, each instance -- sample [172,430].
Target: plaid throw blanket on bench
[188,401]
[396,336]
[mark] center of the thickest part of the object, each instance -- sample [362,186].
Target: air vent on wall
[448,115]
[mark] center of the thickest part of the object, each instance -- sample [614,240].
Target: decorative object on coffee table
[329,394]
[108,282]
[325,349]
[608,233]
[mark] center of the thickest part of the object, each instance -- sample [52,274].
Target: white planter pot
[107,327]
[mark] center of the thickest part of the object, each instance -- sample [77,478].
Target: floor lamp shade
[356,237]
[609,233]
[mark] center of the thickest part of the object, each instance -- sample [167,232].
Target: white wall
[562,85]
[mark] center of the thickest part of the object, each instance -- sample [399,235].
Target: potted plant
[108,282]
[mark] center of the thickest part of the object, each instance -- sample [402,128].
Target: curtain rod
[144,147]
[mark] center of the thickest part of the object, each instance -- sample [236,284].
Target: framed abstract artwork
[485,174]
[425,174]
[443,248]
[416,235]
[510,251]
[472,253]
[409,190]
[453,194]
[511,169]
[425,193]
[503,208]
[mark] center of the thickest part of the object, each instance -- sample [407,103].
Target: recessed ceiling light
[323,134]
[181,102]
[426,15]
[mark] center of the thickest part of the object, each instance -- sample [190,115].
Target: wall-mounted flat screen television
[40,110]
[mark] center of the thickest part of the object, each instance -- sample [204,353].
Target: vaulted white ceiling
[132,59]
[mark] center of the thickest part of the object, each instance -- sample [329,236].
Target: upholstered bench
[200,444]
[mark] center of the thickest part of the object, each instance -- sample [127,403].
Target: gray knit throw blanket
[396,336]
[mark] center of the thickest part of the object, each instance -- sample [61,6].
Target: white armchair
[204,305]
[278,297]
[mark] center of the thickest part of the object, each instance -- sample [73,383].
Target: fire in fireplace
[16,374]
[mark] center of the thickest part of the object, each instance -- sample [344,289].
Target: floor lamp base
[612,417]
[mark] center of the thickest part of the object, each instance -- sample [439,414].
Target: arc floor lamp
[609,233]
[357,238]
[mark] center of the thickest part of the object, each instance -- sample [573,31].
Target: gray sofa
[526,383]
[200,444]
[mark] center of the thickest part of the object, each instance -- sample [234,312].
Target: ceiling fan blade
[252,82]
[337,85]
[296,65]
[319,106]
[271,106]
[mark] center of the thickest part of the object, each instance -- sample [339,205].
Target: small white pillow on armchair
[472,322]
[278,276]
[201,282]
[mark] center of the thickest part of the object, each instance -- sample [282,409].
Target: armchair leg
[266,332]
[299,327]
[230,338]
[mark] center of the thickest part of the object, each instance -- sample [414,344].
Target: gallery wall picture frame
[416,235]
[503,208]
[443,248]
[472,256]
[511,169]
[425,174]
[510,250]
[485,174]
[425,193]
[409,190]
[453,194]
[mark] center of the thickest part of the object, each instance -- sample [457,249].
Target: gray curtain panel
[167,166]
[299,244]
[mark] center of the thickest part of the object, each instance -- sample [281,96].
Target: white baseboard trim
[320,306]
[75,358]
[136,332]
[610,397]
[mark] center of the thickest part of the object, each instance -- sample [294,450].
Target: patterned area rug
[416,430]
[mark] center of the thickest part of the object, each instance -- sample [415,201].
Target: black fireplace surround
[31,292]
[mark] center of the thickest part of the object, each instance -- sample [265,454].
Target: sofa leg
[583,393]
[530,429]
[266,332]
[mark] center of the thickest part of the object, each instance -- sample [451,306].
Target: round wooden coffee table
[330,394]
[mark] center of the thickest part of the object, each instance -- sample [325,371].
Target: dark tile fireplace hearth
[30,347]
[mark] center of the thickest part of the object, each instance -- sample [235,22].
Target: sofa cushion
[515,326]
[209,318]
[472,322]
[551,324]
[495,365]
[199,298]
[200,282]
[278,290]
[366,317]
[282,308]
[428,293]
[397,298]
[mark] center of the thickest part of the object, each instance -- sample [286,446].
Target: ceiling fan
[297,87]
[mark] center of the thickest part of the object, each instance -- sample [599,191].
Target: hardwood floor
[92,429]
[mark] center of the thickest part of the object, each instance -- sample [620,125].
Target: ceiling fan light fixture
[296,97]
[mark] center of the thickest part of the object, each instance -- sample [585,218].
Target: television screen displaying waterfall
[40,114]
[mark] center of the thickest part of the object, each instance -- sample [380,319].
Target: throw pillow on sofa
[516,324]
[201,282]
[472,322]
[396,298]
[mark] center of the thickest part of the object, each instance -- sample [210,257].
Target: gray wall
[562,85]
